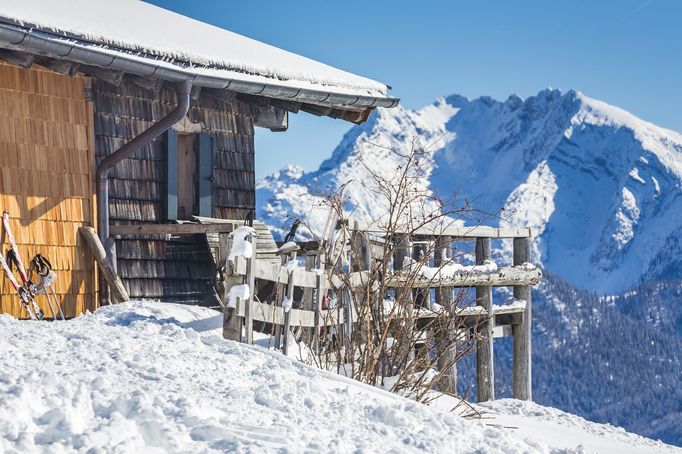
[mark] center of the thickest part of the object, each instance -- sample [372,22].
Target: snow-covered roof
[157,42]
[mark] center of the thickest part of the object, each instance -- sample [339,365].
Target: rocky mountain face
[601,188]
[602,191]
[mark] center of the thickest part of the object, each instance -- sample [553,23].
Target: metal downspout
[102,174]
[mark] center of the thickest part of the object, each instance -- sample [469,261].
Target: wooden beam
[504,277]
[68,68]
[16,58]
[232,322]
[196,91]
[521,369]
[446,348]
[172,229]
[113,77]
[272,118]
[118,290]
[153,84]
[455,231]
[354,116]
[290,297]
[277,273]
[485,370]
[269,313]
[251,282]
[313,109]
[291,106]
[222,95]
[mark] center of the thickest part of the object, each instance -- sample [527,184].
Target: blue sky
[625,52]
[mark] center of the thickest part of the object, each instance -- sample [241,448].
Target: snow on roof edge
[202,46]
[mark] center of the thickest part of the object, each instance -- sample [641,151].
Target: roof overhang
[333,102]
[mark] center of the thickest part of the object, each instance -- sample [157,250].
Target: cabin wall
[46,185]
[179,270]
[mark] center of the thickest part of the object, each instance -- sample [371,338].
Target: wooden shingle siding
[171,270]
[46,180]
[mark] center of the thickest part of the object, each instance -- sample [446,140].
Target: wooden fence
[488,320]
[485,319]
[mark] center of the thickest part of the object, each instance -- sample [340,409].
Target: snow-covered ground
[146,377]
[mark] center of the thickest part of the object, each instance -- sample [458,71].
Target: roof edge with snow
[313,83]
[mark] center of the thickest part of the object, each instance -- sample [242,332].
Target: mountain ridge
[599,186]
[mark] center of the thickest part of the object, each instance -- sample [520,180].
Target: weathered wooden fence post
[308,301]
[421,296]
[319,296]
[445,338]
[403,249]
[521,373]
[485,373]
[251,282]
[232,322]
[290,297]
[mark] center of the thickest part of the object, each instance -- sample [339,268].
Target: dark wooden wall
[171,270]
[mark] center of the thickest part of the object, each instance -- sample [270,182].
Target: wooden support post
[290,297]
[521,369]
[319,296]
[308,299]
[360,250]
[445,338]
[118,290]
[403,249]
[232,322]
[421,296]
[485,375]
[251,282]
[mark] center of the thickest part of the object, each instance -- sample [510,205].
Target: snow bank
[159,378]
[146,377]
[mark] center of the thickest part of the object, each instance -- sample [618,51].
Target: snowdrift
[160,378]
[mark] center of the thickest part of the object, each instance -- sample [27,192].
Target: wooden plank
[446,350]
[485,370]
[232,323]
[290,297]
[277,273]
[457,232]
[503,277]
[274,314]
[171,229]
[403,250]
[521,369]
[251,282]
[118,291]
[319,297]
[502,331]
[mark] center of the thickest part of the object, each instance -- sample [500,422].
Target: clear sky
[625,52]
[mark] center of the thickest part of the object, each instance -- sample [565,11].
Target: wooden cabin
[132,115]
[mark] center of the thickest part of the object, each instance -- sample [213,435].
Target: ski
[24,295]
[27,289]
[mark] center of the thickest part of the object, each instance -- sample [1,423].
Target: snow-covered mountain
[600,187]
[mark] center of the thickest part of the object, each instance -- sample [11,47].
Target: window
[189,175]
